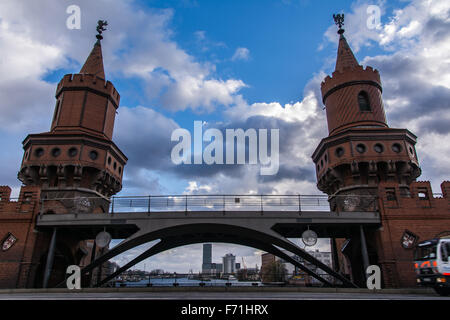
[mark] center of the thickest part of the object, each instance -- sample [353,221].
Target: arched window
[363,100]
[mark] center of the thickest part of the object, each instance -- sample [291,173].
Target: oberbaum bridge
[374,211]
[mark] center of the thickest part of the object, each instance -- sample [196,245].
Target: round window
[39,152]
[326,158]
[93,155]
[396,147]
[120,170]
[72,152]
[340,152]
[411,150]
[109,160]
[115,165]
[378,148]
[361,148]
[56,152]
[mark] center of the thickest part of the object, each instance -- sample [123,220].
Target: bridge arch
[183,234]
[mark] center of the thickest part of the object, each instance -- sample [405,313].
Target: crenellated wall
[80,80]
[420,213]
[17,217]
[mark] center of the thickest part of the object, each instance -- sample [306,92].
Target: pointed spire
[345,56]
[94,63]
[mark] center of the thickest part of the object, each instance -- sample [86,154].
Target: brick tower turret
[360,153]
[77,159]
[361,150]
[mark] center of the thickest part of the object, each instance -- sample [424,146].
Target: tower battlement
[83,81]
[357,74]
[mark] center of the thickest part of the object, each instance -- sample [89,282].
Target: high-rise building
[207,258]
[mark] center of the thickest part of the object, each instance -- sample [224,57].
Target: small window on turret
[27,197]
[363,100]
[390,194]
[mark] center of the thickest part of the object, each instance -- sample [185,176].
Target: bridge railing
[205,203]
[239,279]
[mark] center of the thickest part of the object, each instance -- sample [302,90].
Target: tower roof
[94,63]
[345,56]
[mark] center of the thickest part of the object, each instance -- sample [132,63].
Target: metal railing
[220,203]
[210,203]
[204,280]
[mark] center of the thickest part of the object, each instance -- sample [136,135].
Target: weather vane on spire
[339,20]
[101,24]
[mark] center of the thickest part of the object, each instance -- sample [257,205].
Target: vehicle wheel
[442,291]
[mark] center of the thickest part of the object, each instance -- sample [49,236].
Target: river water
[185,282]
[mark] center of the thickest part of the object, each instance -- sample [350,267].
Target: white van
[432,264]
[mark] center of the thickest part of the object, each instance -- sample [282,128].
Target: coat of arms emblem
[409,239]
[8,241]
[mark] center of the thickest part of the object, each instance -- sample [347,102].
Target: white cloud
[193,188]
[201,94]
[296,112]
[241,54]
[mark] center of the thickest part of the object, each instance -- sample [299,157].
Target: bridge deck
[123,224]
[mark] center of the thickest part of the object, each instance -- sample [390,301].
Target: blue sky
[232,64]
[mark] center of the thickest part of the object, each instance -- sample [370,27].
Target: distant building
[207,258]
[267,259]
[293,271]
[228,266]
[157,272]
[229,263]
[325,258]
[216,268]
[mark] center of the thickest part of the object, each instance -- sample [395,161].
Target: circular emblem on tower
[82,205]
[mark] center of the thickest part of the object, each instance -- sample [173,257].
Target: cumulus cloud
[299,135]
[200,94]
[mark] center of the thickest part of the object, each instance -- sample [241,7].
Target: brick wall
[18,218]
[421,213]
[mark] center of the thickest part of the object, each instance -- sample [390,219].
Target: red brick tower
[361,150]
[77,159]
